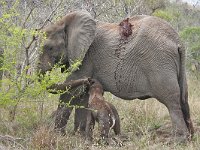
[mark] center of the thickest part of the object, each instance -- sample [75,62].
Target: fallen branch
[12,139]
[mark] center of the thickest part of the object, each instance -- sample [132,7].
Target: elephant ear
[80,30]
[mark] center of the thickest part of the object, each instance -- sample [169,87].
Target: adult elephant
[149,62]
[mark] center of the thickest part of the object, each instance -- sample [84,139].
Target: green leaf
[164,15]
[189,32]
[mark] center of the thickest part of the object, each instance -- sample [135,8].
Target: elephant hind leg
[167,91]
[172,102]
[104,127]
[116,128]
[186,114]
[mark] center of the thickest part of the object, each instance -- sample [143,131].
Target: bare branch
[33,39]
[29,14]
[196,4]
[48,18]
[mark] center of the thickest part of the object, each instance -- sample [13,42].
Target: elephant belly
[131,83]
[126,82]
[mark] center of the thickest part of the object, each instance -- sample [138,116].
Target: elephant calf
[101,111]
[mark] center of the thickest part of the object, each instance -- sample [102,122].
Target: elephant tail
[184,90]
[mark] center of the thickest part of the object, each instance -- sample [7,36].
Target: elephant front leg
[62,117]
[67,102]
[80,120]
[104,128]
[81,114]
[89,126]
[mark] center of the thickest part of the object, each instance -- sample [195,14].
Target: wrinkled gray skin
[150,63]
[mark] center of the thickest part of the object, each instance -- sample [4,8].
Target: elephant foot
[118,141]
[103,141]
[176,140]
[190,128]
[60,131]
[182,136]
[110,141]
[88,142]
[79,132]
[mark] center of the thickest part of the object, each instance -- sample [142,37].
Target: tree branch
[29,14]
[47,19]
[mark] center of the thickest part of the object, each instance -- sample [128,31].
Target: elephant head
[67,40]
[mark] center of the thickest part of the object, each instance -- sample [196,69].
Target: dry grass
[145,125]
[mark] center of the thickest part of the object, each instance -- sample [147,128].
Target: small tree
[18,45]
[191,35]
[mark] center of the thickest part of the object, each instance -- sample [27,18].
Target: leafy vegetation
[26,106]
[191,35]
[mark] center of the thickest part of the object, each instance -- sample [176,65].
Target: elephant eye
[48,47]
[53,59]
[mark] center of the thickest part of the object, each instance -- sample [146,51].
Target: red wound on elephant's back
[125,28]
